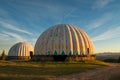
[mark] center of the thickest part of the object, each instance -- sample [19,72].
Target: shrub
[119,60]
[3,56]
[111,60]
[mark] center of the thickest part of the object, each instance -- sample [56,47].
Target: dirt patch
[98,74]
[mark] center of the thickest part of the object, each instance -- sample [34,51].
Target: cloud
[100,21]
[37,10]
[12,27]
[98,4]
[68,14]
[32,41]
[17,37]
[111,33]
[3,36]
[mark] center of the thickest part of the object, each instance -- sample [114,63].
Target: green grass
[16,70]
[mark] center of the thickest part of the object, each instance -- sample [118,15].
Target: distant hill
[107,55]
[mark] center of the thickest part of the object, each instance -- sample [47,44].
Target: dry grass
[16,70]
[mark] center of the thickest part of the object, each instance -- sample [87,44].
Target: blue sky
[25,20]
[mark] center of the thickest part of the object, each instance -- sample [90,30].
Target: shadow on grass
[115,78]
[52,71]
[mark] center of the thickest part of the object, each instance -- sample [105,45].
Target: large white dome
[20,49]
[64,39]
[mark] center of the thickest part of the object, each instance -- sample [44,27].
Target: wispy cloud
[32,41]
[101,3]
[100,21]
[15,36]
[37,10]
[12,27]
[68,14]
[3,36]
[111,33]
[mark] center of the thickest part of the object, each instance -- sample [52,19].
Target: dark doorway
[59,57]
[31,54]
[88,51]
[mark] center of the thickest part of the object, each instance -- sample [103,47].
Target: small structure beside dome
[20,51]
[64,42]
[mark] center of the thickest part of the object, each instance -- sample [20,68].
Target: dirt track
[97,74]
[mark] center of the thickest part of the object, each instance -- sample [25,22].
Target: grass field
[16,70]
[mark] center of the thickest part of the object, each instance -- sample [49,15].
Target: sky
[25,20]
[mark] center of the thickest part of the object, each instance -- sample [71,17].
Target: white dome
[64,39]
[20,49]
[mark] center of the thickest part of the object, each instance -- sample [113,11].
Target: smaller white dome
[20,49]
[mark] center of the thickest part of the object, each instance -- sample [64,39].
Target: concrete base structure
[18,58]
[63,57]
